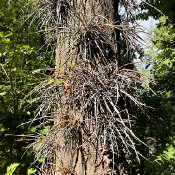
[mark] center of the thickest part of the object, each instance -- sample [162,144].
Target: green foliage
[158,130]
[164,57]
[31,171]
[45,130]
[164,72]
[11,169]
[156,8]
[21,52]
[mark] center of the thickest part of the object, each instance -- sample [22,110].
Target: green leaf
[2,94]
[51,81]
[12,168]
[7,87]
[28,112]
[32,100]
[45,130]
[41,159]
[59,82]
[31,171]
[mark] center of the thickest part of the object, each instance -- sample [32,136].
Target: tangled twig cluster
[77,28]
[86,110]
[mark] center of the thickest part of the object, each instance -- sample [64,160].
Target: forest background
[25,61]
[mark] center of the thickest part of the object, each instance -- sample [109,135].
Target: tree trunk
[80,157]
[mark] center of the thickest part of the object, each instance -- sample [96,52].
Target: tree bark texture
[86,40]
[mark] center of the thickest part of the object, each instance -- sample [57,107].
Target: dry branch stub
[88,100]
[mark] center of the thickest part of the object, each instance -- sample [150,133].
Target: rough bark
[87,160]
